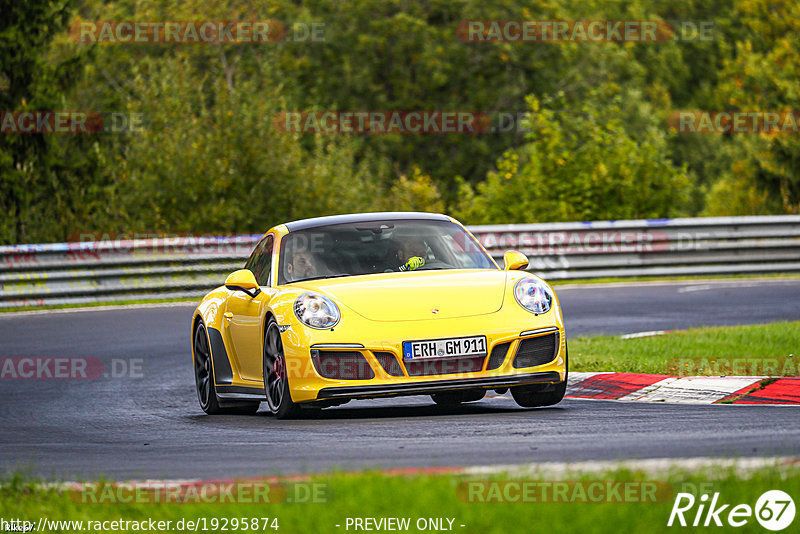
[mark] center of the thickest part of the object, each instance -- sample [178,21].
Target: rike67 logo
[774,510]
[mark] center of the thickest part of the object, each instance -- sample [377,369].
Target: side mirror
[514,260]
[243,280]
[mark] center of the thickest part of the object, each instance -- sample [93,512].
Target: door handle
[228,315]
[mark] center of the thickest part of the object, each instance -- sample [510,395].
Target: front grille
[498,356]
[445,366]
[389,363]
[341,365]
[536,351]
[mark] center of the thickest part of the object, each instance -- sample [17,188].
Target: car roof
[364,217]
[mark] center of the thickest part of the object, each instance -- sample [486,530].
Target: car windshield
[380,246]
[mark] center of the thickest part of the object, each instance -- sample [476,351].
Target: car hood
[414,296]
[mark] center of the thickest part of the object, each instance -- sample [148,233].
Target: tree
[580,165]
[42,176]
[762,76]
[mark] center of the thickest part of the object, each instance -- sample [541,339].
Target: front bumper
[433,386]
[308,384]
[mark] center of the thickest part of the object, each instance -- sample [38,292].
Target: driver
[412,253]
[302,265]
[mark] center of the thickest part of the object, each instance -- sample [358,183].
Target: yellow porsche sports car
[345,307]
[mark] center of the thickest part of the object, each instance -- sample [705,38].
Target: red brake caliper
[279,368]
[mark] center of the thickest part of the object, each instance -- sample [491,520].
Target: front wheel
[276,377]
[537,395]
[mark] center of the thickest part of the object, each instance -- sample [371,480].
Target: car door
[244,314]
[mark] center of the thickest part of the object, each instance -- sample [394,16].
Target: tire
[454,398]
[204,380]
[276,377]
[537,395]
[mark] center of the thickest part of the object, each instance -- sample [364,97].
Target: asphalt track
[152,427]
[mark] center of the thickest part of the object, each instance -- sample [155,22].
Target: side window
[261,261]
[251,261]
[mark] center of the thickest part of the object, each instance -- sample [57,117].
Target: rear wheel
[276,377]
[453,398]
[537,395]
[204,380]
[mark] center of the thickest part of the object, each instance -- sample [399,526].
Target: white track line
[646,333]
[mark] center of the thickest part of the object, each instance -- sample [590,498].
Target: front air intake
[341,365]
[536,351]
[389,363]
[498,356]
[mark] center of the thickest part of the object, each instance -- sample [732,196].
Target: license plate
[445,348]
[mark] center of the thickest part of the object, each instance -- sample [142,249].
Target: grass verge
[753,350]
[444,497]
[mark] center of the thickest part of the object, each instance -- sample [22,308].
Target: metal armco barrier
[175,267]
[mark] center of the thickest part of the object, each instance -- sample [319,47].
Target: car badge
[435,310]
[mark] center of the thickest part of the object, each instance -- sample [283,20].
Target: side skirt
[222,365]
[241,393]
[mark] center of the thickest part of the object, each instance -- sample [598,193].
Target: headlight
[316,311]
[533,295]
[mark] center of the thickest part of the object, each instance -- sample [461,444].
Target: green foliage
[762,75]
[209,158]
[580,165]
[500,501]
[737,193]
[40,175]
[415,193]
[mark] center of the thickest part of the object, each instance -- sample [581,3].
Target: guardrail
[177,267]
